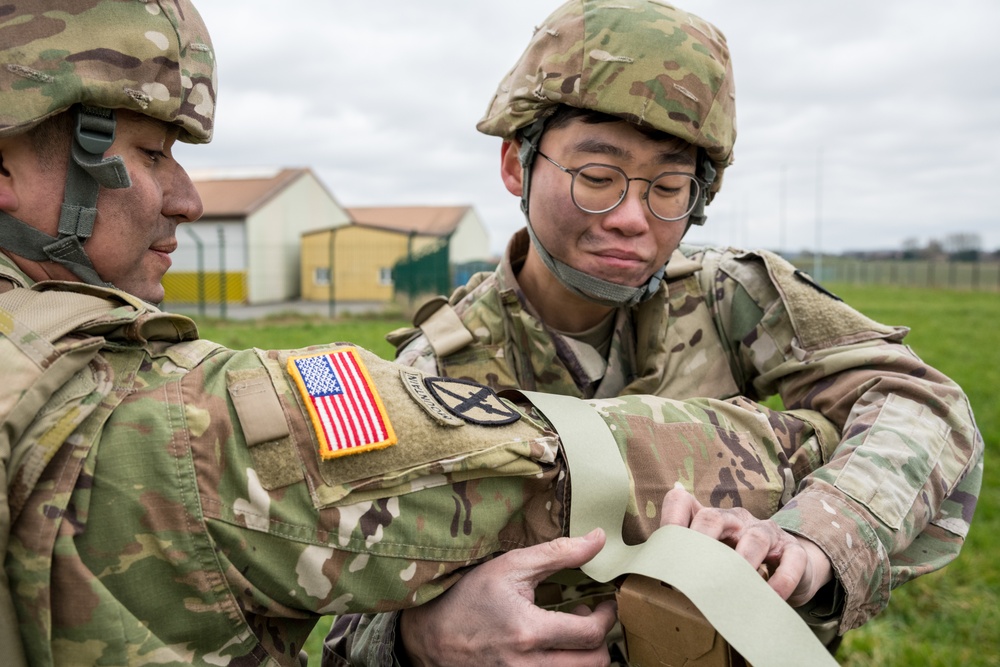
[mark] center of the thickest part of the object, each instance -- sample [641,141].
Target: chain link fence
[938,273]
[210,274]
[205,277]
[215,273]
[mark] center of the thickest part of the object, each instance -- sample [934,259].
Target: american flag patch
[347,412]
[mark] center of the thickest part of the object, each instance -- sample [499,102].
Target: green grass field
[951,617]
[947,618]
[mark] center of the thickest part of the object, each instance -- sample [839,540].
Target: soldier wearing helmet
[133,101]
[164,499]
[595,70]
[618,122]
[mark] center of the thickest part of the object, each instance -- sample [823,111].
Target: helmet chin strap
[586,286]
[88,171]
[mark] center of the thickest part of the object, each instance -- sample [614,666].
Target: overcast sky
[884,115]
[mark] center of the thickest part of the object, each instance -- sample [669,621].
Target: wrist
[408,650]
[820,569]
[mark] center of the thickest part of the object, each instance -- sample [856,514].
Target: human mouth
[618,265]
[164,247]
[617,256]
[162,252]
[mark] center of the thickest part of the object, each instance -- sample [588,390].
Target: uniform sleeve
[369,640]
[424,492]
[297,534]
[895,497]
[362,640]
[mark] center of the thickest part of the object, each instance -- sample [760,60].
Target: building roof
[237,193]
[427,220]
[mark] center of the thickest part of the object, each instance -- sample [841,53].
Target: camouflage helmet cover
[644,61]
[154,57]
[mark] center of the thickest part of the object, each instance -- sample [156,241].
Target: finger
[564,631]
[790,571]
[580,630]
[757,543]
[535,563]
[726,525]
[679,507]
[607,612]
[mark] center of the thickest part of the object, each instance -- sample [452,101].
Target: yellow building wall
[362,259]
[183,287]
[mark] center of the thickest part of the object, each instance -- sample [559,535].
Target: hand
[489,616]
[798,568]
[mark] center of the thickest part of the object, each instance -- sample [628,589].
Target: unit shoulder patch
[471,401]
[414,383]
[346,410]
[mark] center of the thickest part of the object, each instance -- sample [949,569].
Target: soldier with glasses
[617,125]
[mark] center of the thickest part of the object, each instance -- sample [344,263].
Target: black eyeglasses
[599,188]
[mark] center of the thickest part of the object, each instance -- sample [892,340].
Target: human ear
[510,167]
[8,199]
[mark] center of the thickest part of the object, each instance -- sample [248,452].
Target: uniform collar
[11,275]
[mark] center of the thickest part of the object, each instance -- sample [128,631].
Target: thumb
[537,562]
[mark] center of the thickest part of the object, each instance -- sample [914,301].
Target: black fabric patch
[807,279]
[471,401]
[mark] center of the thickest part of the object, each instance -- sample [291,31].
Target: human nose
[631,215]
[181,200]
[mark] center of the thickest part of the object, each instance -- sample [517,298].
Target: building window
[321,275]
[385,277]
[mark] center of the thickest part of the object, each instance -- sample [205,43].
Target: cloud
[881,115]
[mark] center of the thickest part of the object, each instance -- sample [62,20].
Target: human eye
[669,186]
[661,190]
[597,177]
[154,155]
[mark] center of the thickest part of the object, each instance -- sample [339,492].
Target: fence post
[409,260]
[200,251]
[223,291]
[331,290]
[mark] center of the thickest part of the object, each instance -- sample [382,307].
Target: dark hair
[51,139]
[564,114]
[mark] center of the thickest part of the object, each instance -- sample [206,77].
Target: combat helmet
[91,57]
[644,61]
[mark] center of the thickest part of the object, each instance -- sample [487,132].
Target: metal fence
[210,276]
[218,274]
[423,273]
[205,277]
[942,273]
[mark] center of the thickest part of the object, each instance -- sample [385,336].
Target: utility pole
[818,253]
[783,209]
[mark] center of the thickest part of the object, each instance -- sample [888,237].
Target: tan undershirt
[592,345]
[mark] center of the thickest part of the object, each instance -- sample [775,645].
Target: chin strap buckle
[95,129]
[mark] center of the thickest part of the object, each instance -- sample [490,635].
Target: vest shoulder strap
[443,327]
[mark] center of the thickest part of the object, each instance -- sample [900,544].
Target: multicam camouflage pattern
[167,528]
[157,59]
[650,63]
[889,501]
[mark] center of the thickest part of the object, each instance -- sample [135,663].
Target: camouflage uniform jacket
[890,500]
[179,508]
